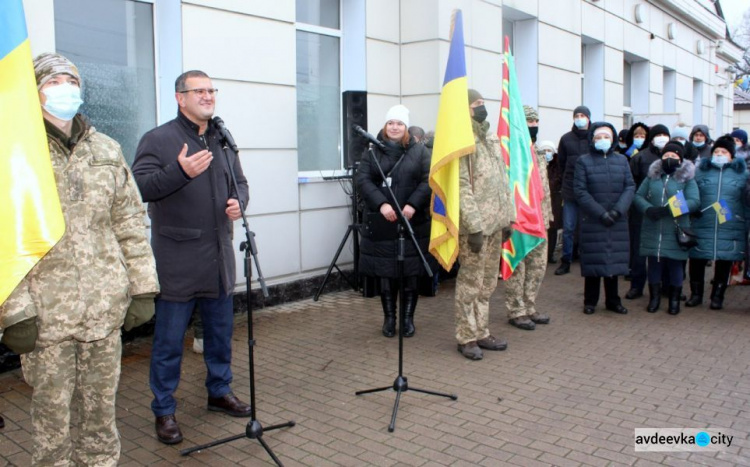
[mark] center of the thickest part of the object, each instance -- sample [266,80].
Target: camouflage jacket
[541,163]
[82,288]
[485,199]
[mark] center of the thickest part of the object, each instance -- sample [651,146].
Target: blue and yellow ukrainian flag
[31,221]
[454,138]
[678,204]
[723,212]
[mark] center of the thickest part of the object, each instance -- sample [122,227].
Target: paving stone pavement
[569,393]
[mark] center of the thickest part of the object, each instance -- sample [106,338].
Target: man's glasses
[201,92]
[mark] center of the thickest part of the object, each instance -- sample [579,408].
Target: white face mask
[660,141]
[720,161]
[63,101]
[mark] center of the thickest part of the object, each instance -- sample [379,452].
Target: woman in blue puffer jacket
[666,177]
[720,178]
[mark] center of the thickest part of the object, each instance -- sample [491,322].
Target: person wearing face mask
[522,287]
[100,276]
[740,143]
[667,176]
[636,138]
[722,177]
[701,139]
[487,214]
[406,164]
[681,134]
[547,148]
[573,145]
[622,145]
[604,190]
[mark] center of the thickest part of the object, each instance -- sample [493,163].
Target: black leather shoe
[229,404]
[2,422]
[523,322]
[589,309]
[167,430]
[618,308]
[563,269]
[633,294]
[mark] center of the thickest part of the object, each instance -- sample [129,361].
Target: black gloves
[21,337]
[475,242]
[140,311]
[614,215]
[607,220]
[656,213]
[697,214]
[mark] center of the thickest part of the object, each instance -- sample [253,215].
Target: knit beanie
[530,112]
[675,147]
[474,95]
[726,142]
[546,145]
[47,65]
[398,112]
[657,129]
[582,109]
[741,135]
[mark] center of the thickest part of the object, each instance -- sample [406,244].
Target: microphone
[225,134]
[363,133]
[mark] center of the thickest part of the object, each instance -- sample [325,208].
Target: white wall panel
[420,20]
[559,48]
[422,72]
[553,123]
[322,195]
[40,24]
[562,14]
[593,21]
[559,89]
[613,31]
[613,65]
[486,71]
[444,10]
[272,178]
[613,97]
[320,235]
[637,41]
[283,10]
[235,46]
[383,68]
[258,115]
[382,20]
[486,26]
[278,240]
[424,110]
[617,8]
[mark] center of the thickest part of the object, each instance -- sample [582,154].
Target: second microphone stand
[400,384]
[253,430]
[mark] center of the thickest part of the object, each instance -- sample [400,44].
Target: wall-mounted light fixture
[700,47]
[671,31]
[640,13]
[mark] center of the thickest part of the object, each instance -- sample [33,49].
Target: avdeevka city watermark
[681,439]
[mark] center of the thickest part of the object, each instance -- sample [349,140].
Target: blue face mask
[549,155]
[63,101]
[603,145]
[699,144]
[581,122]
[638,142]
[719,161]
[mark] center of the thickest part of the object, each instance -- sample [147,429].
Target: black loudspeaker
[354,112]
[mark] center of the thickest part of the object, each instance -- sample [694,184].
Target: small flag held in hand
[678,204]
[723,213]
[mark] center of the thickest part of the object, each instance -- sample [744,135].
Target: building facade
[281,67]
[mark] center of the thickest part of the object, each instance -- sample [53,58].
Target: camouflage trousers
[477,279]
[85,374]
[523,285]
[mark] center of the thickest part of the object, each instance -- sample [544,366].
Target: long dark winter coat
[725,241]
[603,182]
[573,145]
[659,238]
[409,170]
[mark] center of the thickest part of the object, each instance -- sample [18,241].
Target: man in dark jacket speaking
[183,174]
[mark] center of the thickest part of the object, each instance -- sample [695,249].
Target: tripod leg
[368,391]
[282,425]
[270,453]
[189,451]
[392,426]
[333,263]
[435,393]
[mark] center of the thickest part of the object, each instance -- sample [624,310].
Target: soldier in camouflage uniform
[486,216]
[523,285]
[100,275]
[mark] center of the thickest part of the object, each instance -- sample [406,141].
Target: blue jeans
[570,222]
[172,320]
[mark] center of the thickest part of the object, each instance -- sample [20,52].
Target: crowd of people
[645,202]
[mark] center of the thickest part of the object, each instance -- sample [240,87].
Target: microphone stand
[253,430]
[400,384]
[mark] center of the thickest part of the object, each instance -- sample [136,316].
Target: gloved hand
[606,220]
[697,214]
[21,337]
[656,213]
[140,311]
[614,214]
[475,242]
[507,233]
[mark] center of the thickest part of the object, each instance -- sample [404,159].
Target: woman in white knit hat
[406,166]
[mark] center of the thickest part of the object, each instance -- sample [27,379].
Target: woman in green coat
[666,177]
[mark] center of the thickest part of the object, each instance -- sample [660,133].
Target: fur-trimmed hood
[738,165]
[684,173]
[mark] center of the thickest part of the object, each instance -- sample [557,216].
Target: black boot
[563,269]
[388,299]
[654,292]
[717,296]
[696,294]
[674,300]
[411,304]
